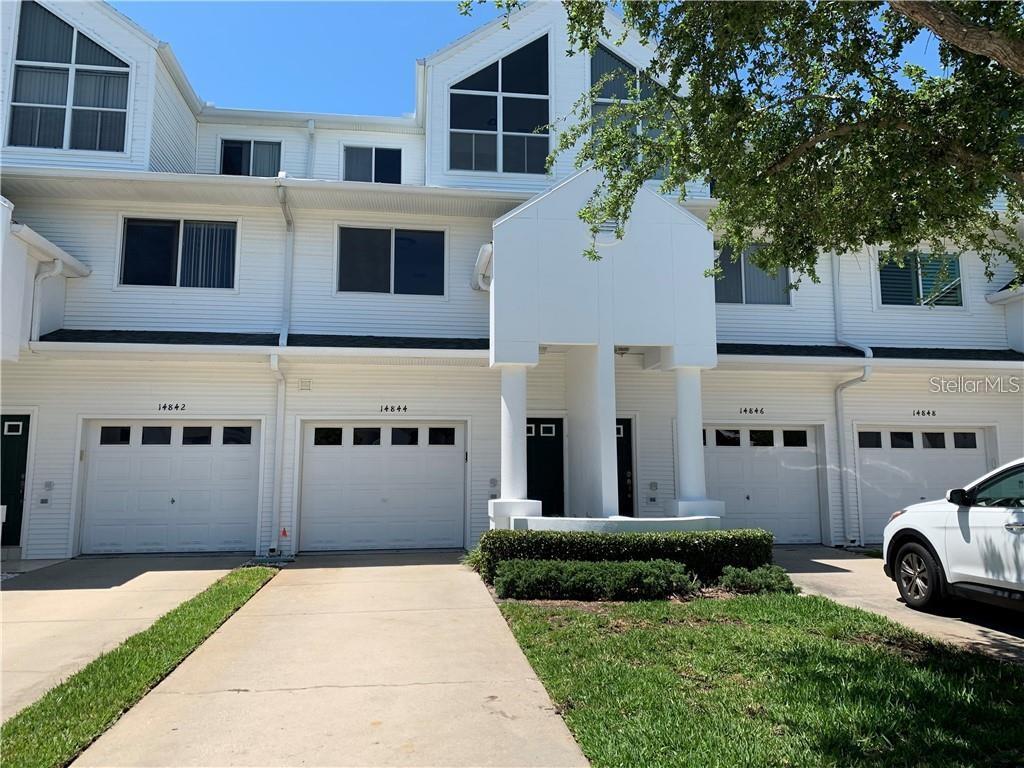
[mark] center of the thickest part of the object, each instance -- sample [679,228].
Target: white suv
[969,545]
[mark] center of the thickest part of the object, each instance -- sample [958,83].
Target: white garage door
[171,487]
[382,486]
[768,478]
[897,466]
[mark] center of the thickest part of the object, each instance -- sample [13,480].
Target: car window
[1007,490]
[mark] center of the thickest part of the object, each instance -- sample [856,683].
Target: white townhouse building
[227,329]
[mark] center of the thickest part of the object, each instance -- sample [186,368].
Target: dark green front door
[13,460]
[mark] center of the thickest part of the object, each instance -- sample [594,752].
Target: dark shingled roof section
[901,353]
[260,339]
[162,337]
[384,342]
[1019,279]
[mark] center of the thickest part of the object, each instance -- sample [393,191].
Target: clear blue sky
[349,57]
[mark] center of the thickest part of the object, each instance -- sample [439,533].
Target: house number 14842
[171,407]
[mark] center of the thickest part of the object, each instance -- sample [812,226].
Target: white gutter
[1005,296]
[482,270]
[311,148]
[840,405]
[275,517]
[40,245]
[54,271]
[289,258]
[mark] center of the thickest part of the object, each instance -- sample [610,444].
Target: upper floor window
[619,81]
[373,164]
[246,157]
[923,278]
[405,261]
[498,116]
[69,91]
[743,282]
[179,252]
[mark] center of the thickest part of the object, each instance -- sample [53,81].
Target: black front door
[13,459]
[545,468]
[624,448]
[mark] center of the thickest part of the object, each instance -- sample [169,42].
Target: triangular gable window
[498,116]
[69,91]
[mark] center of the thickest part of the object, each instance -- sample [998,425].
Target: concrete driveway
[398,660]
[58,619]
[857,580]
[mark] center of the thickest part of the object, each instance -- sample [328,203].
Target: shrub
[704,553]
[472,559]
[580,580]
[766,578]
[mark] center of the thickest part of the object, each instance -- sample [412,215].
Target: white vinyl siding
[173,144]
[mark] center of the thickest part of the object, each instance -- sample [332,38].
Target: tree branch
[963,34]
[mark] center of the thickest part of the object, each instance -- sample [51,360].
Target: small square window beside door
[196,435]
[531,430]
[547,430]
[12,428]
[115,435]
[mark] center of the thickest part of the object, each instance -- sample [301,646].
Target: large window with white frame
[743,282]
[923,279]
[391,260]
[248,157]
[178,252]
[499,115]
[69,91]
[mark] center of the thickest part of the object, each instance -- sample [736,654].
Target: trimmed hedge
[767,578]
[704,553]
[580,580]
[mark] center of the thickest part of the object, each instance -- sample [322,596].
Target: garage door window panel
[933,440]
[869,439]
[762,438]
[156,435]
[405,436]
[327,435]
[965,440]
[794,438]
[197,435]
[366,436]
[115,435]
[727,437]
[901,439]
[237,436]
[441,436]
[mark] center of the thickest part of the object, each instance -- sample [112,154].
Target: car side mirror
[959,496]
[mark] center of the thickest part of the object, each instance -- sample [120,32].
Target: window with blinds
[743,282]
[499,115]
[179,252]
[921,280]
[69,91]
[246,157]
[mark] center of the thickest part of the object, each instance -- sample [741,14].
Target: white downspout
[844,459]
[56,270]
[482,269]
[289,258]
[282,389]
[311,148]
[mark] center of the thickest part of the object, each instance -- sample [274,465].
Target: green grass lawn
[767,681]
[55,729]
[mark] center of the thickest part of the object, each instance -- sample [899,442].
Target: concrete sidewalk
[59,618]
[857,580]
[397,660]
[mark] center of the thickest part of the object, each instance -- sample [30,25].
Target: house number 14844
[394,409]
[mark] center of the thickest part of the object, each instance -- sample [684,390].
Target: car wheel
[919,577]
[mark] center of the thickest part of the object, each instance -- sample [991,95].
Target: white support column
[513,501]
[691,495]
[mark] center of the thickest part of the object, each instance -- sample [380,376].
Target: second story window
[923,279]
[69,91]
[245,157]
[498,115]
[399,261]
[743,282]
[378,164]
[178,252]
